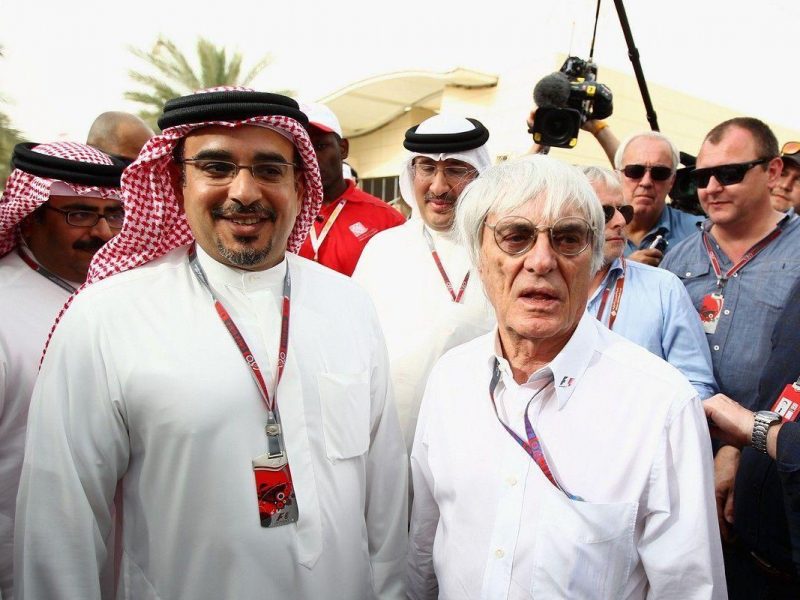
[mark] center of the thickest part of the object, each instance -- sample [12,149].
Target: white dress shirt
[142,384]
[620,428]
[29,304]
[417,313]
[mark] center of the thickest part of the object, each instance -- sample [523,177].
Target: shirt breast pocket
[583,550]
[345,402]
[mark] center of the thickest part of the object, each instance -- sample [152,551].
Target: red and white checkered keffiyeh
[25,193]
[155,224]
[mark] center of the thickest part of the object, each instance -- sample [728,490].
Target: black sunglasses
[724,174]
[626,211]
[658,173]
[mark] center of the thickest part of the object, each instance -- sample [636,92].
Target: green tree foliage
[175,76]
[9,137]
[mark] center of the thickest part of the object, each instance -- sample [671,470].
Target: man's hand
[726,463]
[648,256]
[731,423]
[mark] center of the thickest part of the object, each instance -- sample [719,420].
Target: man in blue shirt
[648,306]
[647,162]
[739,271]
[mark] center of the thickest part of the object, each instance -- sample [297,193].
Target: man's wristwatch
[764,420]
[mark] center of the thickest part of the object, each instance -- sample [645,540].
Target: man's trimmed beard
[244,258]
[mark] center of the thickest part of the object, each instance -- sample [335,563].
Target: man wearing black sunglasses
[647,163]
[739,270]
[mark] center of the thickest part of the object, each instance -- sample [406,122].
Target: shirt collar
[566,369]
[614,271]
[222,275]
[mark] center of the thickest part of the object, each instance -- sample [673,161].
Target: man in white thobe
[554,458]
[60,205]
[146,389]
[427,303]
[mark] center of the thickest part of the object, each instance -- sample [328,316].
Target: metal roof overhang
[372,103]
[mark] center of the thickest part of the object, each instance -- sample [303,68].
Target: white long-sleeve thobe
[418,315]
[142,384]
[620,428]
[29,304]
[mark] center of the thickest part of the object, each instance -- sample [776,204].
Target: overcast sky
[66,62]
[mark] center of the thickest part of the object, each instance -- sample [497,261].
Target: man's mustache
[446,197]
[237,210]
[93,244]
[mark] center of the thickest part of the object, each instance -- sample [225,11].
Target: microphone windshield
[552,90]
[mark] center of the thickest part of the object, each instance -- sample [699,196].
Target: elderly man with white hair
[552,457]
[647,305]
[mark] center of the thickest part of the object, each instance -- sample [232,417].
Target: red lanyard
[532,445]
[316,242]
[456,297]
[746,258]
[44,272]
[612,316]
[273,418]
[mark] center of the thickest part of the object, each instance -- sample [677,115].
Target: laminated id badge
[788,403]
[710,310]
[277,504]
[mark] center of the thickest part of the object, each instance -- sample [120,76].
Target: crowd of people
[228,372]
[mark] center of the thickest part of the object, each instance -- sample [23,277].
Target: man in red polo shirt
[349,217]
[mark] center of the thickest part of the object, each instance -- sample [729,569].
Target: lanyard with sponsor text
[532,446]
[620,283]
[274,434]
[456,297]
[746,258]
[316,242]
[44,272]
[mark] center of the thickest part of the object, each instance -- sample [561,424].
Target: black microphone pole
[633,54]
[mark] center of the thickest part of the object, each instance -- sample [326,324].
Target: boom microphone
[552,91]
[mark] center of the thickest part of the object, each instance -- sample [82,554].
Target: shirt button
[499,553]
[716,348]
[735,274]
[688,273]
[726,311]
[512,481]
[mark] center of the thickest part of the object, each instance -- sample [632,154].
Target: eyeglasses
[626,211]
[89,218]
[790,148]
[569,236]
[223,172]
[724,174]
[452,174]
[658,173]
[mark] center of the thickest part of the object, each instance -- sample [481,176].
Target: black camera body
[566,99]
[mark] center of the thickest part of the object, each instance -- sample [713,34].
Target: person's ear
[177,179]
[344,148]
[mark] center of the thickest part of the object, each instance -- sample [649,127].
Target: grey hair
[602,176]
[558,189]
[652,135]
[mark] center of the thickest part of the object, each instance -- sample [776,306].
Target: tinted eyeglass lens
[514,235]
[626,211]
[570,236]
[790,148]
[724,174]
[658,173]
